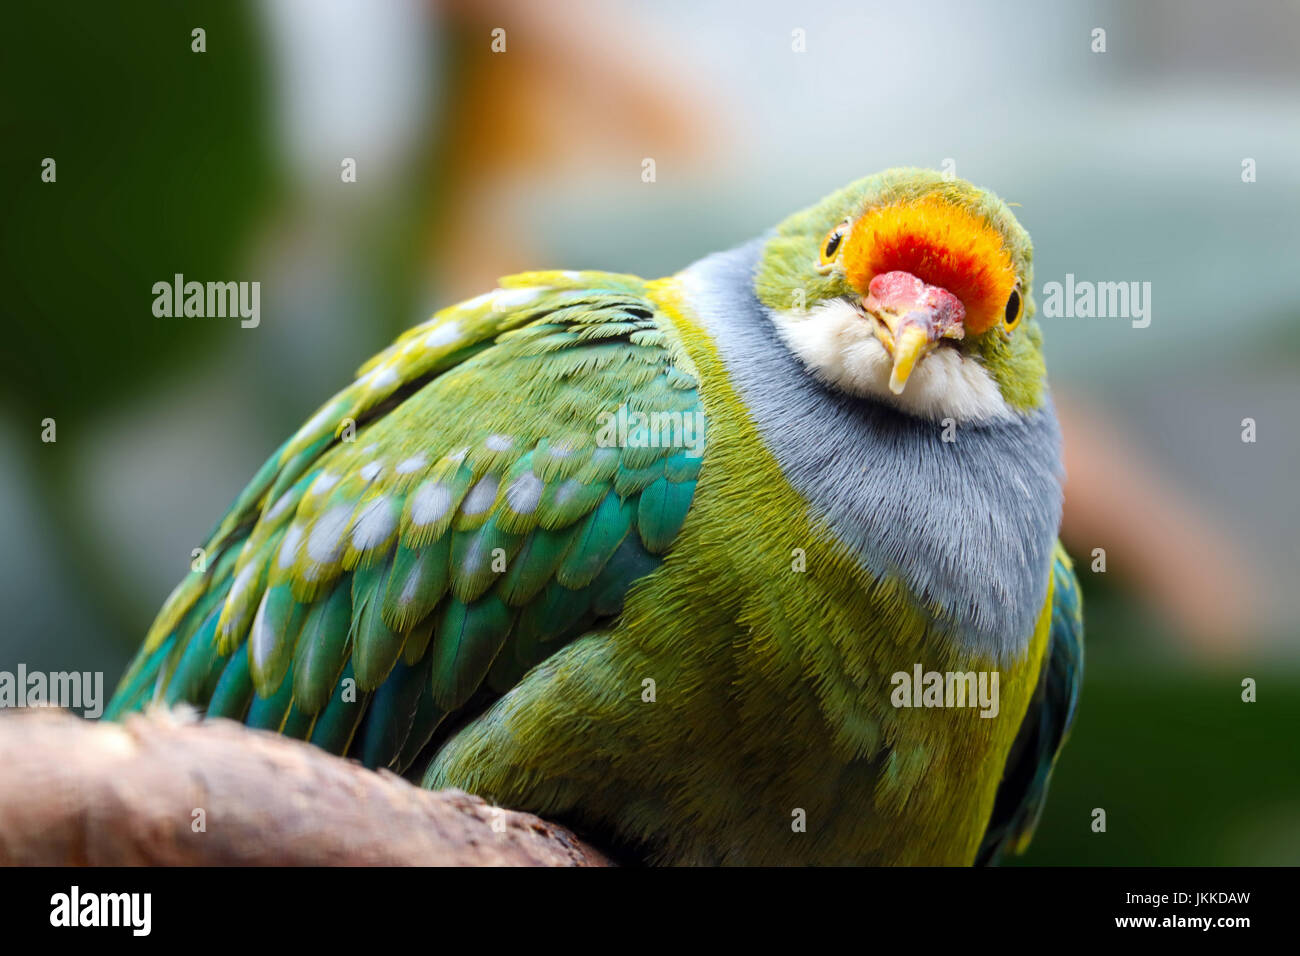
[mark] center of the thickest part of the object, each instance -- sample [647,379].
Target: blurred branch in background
[1168,550]
[572,95]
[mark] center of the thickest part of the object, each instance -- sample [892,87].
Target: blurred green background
[225,165]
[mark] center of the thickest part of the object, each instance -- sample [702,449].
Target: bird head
[911,289]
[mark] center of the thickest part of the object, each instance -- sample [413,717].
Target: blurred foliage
[150,140]
[163,165]
[1188,773]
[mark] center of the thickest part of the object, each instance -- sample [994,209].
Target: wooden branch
[166,789]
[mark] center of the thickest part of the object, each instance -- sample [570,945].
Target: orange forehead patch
[939,243]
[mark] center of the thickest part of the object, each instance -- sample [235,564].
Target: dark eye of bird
[1013,307]
[833,243]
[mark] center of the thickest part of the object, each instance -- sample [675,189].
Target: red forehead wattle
[902,292]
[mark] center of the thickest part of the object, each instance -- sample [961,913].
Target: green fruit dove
[756,564]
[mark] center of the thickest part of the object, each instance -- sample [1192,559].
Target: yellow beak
[910,318]
[910,345]
[908,337]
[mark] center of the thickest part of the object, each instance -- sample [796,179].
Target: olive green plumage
[450,571]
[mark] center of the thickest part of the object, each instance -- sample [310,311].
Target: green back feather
[367,588]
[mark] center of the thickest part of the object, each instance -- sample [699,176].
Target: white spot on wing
[280,507]
[510,298]
[375,523]
[242,580]
[324,544]
[478,301]
[384,377]
[408,465]
[444,334]
[262,640]
[481,496]
[323,483]
[430,503]
[289,546]
[317,421]
[524,493]
[411,589]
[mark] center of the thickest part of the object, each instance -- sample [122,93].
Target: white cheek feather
[838,346]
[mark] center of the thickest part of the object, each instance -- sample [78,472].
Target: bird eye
[1015,308]
[831,246]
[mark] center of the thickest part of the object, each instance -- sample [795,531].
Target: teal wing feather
[1023,791]
[440,526]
